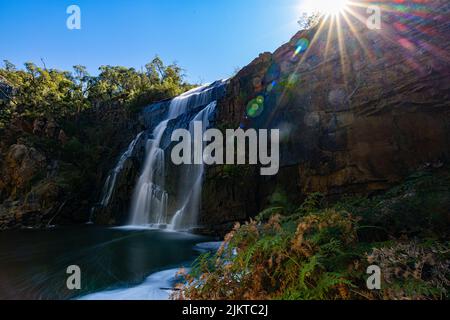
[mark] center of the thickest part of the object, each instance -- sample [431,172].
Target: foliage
[40,92]
[308,21]
[266,261]
[321,251]
[78,123]
[278,204]
[413,270]
[419,207]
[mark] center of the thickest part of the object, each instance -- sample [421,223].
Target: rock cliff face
[358,110]
[48,176]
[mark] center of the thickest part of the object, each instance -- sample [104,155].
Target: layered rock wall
[358,110]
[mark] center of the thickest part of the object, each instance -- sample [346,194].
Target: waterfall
[110,184]
[150,199]
[194,98]
[149,205]
[190,182]
[149,202]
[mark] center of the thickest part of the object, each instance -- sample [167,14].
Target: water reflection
[33,263]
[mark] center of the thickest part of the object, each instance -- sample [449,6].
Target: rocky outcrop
[358,110]
[36,210]
[52,171]
[21,165]
[27,200]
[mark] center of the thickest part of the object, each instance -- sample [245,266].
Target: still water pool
[115,263]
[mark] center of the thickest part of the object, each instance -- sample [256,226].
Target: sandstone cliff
[358,109]
[53,173]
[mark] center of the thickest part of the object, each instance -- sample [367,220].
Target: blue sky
[209,38]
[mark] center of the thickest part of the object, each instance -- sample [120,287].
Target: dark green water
[33,263]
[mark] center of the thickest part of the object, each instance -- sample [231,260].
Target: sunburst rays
[345,41]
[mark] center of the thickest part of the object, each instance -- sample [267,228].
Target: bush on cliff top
[40,92]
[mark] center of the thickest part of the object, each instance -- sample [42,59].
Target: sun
[326,7]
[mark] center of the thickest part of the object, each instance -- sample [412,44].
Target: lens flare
[302,45]
[326,7]
[255,107]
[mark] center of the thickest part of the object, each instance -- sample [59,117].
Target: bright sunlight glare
[325,7]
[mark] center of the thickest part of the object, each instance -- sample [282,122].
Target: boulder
[21,165]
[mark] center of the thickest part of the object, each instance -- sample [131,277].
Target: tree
[309,20]
[52,93]
[10,67]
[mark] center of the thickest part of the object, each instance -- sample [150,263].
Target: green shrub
[322,252]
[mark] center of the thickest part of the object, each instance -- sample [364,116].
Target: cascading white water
[110,184]
[191,181]
[149,203]
[195,97]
